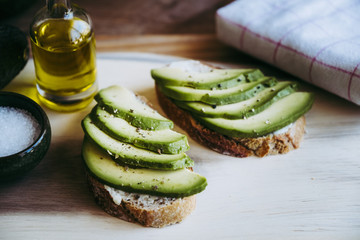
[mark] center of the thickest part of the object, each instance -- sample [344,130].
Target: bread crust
[154,216]
[237,147]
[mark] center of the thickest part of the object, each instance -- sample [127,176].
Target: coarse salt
[191,66]
[18,128]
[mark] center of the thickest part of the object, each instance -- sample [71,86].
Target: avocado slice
[241,109]
[128,154]
[278,115]
[210,78]
[123,103]
[164,141]
[178,183]
[218,96]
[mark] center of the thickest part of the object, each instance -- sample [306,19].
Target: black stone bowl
[18,164]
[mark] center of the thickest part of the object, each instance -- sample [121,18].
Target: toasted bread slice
[279,142]
[147,210]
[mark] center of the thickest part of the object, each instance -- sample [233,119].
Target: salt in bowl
[19,163]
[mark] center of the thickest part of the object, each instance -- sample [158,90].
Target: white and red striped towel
[315,40]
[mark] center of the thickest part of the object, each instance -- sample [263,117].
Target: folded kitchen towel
[315,40]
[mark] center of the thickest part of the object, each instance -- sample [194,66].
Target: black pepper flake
[219,85]
[131,110]
[213,106]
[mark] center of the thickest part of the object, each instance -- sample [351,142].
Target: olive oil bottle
[63,48]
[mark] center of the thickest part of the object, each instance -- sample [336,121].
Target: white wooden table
[310,193]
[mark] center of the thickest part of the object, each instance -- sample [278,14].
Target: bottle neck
[59,8]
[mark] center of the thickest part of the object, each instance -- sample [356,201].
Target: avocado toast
[136,164]
[237,112]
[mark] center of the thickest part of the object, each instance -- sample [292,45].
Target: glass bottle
[63,48]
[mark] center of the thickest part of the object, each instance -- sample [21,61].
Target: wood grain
[138,17]
[196,46]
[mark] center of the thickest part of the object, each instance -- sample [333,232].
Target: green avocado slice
[165,141]
[218,96]
[280,114]
[178,183]
[123,103]
[241,109]
[128,154]
[214,78]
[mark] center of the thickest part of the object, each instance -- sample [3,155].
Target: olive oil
[65,61]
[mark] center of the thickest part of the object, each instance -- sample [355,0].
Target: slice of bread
[147,210]
[281,141]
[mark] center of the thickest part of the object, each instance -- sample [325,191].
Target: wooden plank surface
[310,193]
[133,17]
[196,46]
